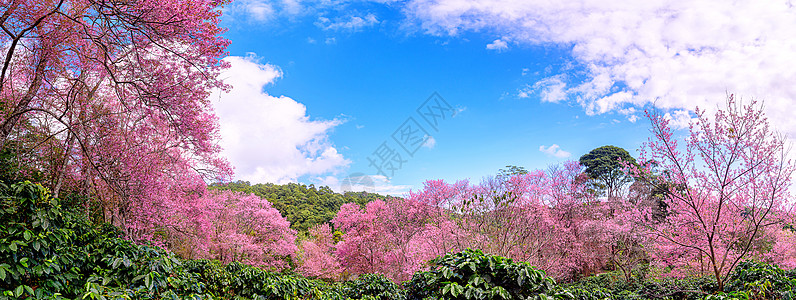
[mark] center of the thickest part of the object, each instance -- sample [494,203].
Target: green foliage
[613,286]
[47,252]
[371,286]
[473,275]
[754,280]
[240,281]
[304,206]
[34,261]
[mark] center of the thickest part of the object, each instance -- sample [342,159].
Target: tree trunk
[7,128]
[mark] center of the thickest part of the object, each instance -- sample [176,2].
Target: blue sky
[318,86]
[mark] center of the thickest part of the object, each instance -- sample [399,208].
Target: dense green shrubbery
[754,280]
[47,252]
[33,244]
[473,275]
[617,287]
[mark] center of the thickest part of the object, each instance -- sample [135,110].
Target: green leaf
[2,274]
[148,281]
[456,289]
[13,246]
[502,292]
[27,235]
[29,289]
[116,262]
[475,279]
[18,291]
[447,273]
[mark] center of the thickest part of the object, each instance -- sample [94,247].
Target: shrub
[755,280]
[473,275]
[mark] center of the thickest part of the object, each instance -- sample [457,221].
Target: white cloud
[430,142]
[551,89]
[458,110]
[269,138]
[675,54]
[349,23]
[555,151]
[678,119]
[292,7]
[498,45]
[260,10]
[255,10]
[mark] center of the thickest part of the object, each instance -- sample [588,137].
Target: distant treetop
[603,165]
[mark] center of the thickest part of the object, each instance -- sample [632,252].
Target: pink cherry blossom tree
[109,99]
[317,254]
[385,237]
[232,226]
[729,182]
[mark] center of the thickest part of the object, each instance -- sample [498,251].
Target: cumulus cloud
[555,151]
[269,138]
[675,54]
[678,119]
[498,45]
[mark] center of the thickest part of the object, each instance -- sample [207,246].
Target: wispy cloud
[347,23]
[430,142]
[675,54]
[550,89]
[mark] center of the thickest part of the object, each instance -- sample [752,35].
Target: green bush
[755,280]
[473,275]
[34,256]
[371,286]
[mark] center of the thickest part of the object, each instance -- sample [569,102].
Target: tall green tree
[604,167]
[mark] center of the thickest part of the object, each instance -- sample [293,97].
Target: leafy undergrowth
[49,253]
